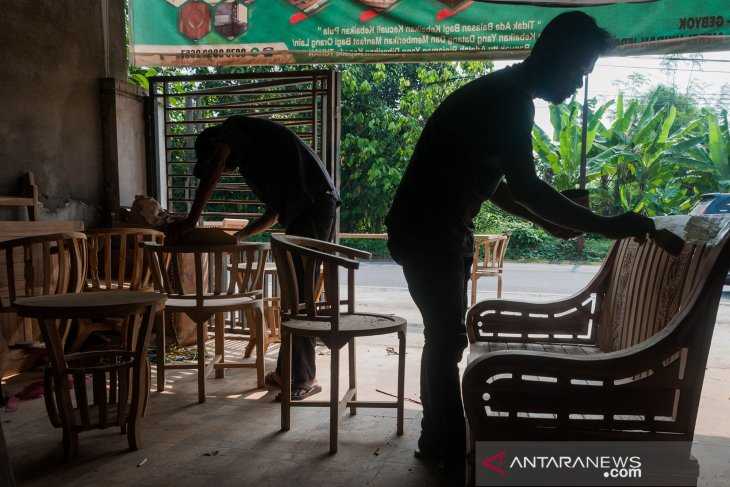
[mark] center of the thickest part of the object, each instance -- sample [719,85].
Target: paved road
[519,279]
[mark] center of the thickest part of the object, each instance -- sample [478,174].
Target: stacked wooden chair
[623,359]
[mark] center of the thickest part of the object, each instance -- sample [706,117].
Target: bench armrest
[565,321]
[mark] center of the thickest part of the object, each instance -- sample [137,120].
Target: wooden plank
[18,229]
[16,201]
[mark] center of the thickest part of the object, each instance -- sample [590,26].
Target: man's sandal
[302,392]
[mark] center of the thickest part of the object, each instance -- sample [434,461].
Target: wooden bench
[623,359]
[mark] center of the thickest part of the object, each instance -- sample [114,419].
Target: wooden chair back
[116,258]
[645,289]
[41,266]
[489,253]
[213,275]
[300,263]
[27,199]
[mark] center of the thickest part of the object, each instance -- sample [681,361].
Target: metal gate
[306,102]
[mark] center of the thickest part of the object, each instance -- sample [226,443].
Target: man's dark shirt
[282,170]
[457,164]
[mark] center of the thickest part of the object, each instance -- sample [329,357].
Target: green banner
[236,32]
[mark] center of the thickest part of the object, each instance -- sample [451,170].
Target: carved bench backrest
[646,288]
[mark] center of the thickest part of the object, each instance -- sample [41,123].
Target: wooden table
[110,370]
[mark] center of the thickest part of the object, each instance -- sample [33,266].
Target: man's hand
[243,234]
[178,229]
[629,224]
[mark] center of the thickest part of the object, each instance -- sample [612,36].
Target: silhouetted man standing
[475,147]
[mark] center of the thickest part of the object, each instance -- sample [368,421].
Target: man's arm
[504,199]
[546,202]
[259,225]
[202,195]
[542,199]
[207,185]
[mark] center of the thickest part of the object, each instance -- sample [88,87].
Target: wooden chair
[40,266]
[113,372]
[209,296]
[489,252]
[623,359]
[27,199]
[115,262]
[299,260]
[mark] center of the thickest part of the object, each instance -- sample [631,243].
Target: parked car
[713,204]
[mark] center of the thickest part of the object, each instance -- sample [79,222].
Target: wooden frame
[622,359]
[302,263]
[27,199]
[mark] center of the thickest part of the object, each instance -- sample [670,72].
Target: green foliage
[384,109]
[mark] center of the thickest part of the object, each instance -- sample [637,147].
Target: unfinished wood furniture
[112,372]
[214,291]
[623,359]
[299,261]
[39,266]
[115,262]
[28,197]
[116,258]
[489,252]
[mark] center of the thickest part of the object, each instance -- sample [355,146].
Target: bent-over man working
[475,147]
[288,177]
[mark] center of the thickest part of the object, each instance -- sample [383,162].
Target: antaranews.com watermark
[584,463]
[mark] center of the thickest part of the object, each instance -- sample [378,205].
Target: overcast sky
[711,76]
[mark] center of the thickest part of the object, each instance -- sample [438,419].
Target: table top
[109,304]
[18,229]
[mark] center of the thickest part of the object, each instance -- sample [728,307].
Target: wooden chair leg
[140,389]
[220,344]
[401,380]
[252,330]
[353,375]
[334,398]
[200,330]
[70,444]
[499,286]
[474,280]
[161,350]
[260,344]
[286,381]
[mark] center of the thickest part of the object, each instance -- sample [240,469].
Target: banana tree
[560,154]
[645,161]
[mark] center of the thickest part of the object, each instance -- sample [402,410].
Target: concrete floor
[234,438]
